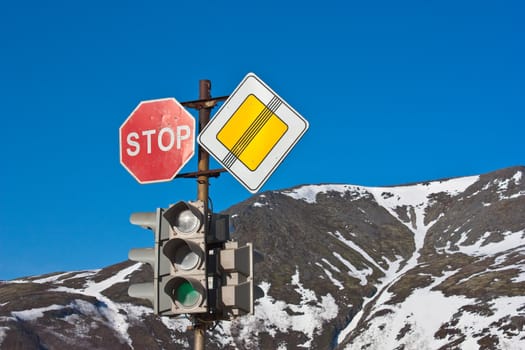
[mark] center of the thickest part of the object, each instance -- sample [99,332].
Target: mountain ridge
[343,265]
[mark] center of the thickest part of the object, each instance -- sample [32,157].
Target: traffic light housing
[153,291]
[197,269]
[186,252]
[238,291]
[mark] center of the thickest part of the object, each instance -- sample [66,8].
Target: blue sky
[394,91]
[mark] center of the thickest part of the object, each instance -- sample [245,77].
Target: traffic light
[186,251]
[238,291]
[197,269]
[153,291]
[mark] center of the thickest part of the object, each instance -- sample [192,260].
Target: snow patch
[417,197]
[309,193]
[361,275]
[108,309]
[3,334]
[475,325]
[390,275]
[180,325]
[95,288]
[517,177]
[34,314]
[272,315]
[408,325]
[521,276]
[260,202]
[335,268]
[50,279]
[421,322]
[355,247]
[332,279]
[503,186]
[511,240]
[56,278]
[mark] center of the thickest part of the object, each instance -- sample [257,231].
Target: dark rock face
[423,266]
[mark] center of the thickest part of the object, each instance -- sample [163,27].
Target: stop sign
[157,140]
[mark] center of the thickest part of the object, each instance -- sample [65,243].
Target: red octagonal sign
[157,140]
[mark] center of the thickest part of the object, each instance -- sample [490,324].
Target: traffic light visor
[184,217]
[185,292]
[187,222]
[185,255]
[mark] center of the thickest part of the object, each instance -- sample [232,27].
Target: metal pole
[202,191]
[200,332]
[204,157]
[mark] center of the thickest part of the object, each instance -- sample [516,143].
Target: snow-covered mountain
[434,265]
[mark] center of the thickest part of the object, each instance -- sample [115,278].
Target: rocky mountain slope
[435,265]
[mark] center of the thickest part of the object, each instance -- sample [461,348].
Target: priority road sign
[157,140]
[252,132]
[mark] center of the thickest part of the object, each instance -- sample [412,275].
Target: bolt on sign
[252,132]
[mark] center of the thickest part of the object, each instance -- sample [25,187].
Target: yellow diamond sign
[252,132]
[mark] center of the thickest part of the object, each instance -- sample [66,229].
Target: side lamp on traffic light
[238,291]
[154,290]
